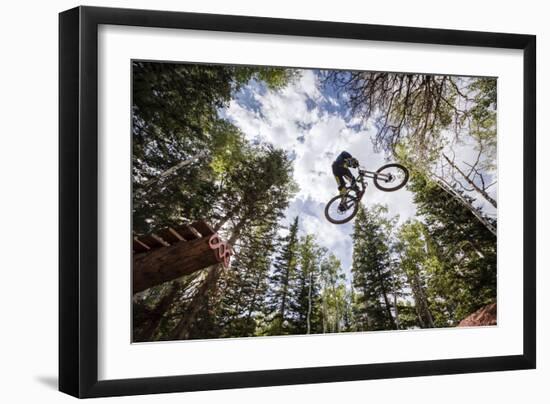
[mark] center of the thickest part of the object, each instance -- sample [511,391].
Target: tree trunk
[470,207]
[325,314]
[282,308]
[138,195]
[396,310]
[420,302]
[168,263]
[386,300]
[172,170]
[427,312]
[308,318]
[368,319]
[482,192]
[157,314]
[182,329]
[337,307]
[252,306]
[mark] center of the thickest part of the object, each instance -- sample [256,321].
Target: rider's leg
[339,173]
[349,176]
[341,184]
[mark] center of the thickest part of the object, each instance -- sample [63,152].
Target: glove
[354,163]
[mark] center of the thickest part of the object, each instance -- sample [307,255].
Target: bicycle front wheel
[391,177]
[342,208]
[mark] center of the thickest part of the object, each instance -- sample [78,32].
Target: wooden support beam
[151,241]
[204,228]
[182,258]
[160,240]
[167,236]
[139,246]
[176,234]
[188,232]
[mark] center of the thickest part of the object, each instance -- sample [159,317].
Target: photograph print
[276,201]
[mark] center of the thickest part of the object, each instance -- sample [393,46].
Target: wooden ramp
[176,251]
[172,235]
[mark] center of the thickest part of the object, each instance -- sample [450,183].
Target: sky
[310,121]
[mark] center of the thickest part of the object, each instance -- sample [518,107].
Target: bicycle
[342,208]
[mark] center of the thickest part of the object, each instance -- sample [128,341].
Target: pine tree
[245,285]
[282,281]
[372,276]
[415,262]
[254,198]
[336,315]
[305,297]
[463,277]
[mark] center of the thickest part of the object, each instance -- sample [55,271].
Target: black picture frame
[78,201]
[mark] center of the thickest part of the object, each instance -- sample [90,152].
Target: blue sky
[312,123]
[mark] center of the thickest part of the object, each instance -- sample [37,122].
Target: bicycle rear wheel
[342,208]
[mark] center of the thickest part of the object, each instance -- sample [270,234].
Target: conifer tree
[335,308]
[372,277]
[282,281]
[463,277]
[245,285]
[305,302]
[417,265]
[255,198]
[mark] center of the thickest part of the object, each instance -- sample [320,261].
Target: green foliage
[305,304]
[485,98]
[240,187]
[418,265]
[257,186]
[246,284]
[282,281]
[275,78]
[462,251]
[483,126]
[335,299]
[372,277]
[175,118]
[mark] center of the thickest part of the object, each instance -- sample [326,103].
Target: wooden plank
[139,246]
[188,232]
[160,240]
[176,234]
[151,241]
[204,228]
[170,235]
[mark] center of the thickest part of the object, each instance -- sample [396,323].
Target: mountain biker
[340,169]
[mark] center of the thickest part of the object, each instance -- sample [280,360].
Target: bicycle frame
[363,173]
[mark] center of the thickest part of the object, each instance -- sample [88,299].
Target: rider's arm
[352,162]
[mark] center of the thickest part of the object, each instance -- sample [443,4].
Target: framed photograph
[251,201]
